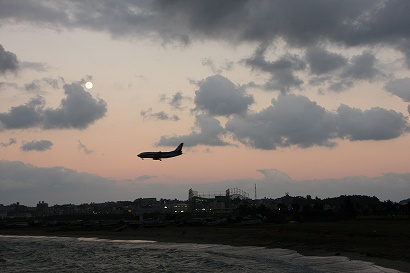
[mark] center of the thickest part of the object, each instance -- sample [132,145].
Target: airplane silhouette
[159,155]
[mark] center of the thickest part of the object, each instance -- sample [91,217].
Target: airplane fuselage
[160,155]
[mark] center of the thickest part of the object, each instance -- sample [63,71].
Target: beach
[382,242]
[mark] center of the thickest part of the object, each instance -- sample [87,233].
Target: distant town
[210,208]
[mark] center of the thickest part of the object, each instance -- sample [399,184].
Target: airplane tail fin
[179,148]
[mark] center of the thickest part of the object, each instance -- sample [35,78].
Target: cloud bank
[291,120]
[58,185]
[348,23]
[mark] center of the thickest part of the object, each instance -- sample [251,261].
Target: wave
[67,254]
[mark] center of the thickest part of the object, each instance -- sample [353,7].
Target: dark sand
[384,243]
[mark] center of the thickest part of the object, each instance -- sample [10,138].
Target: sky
[299,97]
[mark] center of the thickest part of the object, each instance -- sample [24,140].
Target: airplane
[159,155]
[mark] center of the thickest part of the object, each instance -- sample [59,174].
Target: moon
[88,85]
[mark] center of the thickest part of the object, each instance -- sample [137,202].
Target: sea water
[61,254]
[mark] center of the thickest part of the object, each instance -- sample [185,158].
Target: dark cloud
[8,61]
[388,25]
[348,23]
[148,114]
[83,148]
[36,145]
[339,73]
[400,88]
[124,18]
[322,61]
[336,71]
[77,110]
[362,67]
[294,120]
[282,74]
[404,47]
[24,116]
[299,23]
[10,142]
[375,124]
[290,120]
[208,131]
[218,96]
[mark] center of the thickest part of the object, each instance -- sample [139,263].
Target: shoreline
[308,239]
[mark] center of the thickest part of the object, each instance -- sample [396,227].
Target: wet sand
[384,243]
